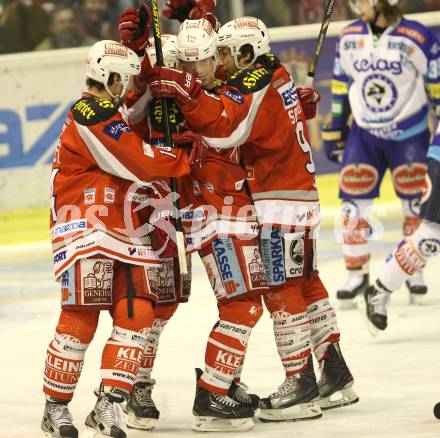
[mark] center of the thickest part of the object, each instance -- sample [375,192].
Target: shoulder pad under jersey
[90,111]
[175,116]
[250,80]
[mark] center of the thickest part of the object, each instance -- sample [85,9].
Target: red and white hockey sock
[224,355]
[356,233]
[411,221]
[121,358]
[410,256]
[324,326]
[162,315]
[64,362]
[150,350]
[292,337]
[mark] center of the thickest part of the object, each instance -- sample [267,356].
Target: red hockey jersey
[213,199]
[100,171]
[259,110]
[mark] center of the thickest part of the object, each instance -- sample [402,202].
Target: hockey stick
[160,62]
[319,43]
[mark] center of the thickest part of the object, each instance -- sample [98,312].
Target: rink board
[30,225]
[38,89]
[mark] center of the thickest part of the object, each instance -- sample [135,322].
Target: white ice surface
[397,375]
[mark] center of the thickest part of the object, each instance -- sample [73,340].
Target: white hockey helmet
[196,41]
[106,57]
[169,50]
[241,31]
[373,3]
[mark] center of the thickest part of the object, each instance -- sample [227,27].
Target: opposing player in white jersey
[386,71]
[413,252]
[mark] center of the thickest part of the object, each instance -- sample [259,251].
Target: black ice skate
[296,399]
[336,382]
[374,307]
[355,285]
[107,416]
[417,288]
[219,413]
[238,392]
[141,411]
[437,410]
[57,420]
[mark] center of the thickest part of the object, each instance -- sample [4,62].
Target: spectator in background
[23,25]
[430,5]
[312,11]
[95,20]
[289,12]
[63,31]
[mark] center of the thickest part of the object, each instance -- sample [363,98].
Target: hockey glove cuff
[334,139]
[134,28]
[174,84]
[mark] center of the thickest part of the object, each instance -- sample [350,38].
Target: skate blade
[213,424]
[303,411]
[134,422]
[89,432]
[344,397]
[416,299]
[362,306]
[347,304]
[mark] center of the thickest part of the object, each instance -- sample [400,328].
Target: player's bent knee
[288,298]
[244,312]
[165,312]
[143,314]
[78,324]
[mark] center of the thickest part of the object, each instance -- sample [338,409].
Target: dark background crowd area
[27,25]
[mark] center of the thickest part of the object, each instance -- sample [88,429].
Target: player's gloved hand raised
[134,28]
[309,99]
[141,81]
[174,84]
[191,9]
[194,143]
[334,139]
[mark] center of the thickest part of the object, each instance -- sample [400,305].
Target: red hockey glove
[194,141]
[174,84]
[334,138]
[134,28]
[309,99]
[191,9]
[141,81]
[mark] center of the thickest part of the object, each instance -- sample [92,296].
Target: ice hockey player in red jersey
[216,211]
[100,256]
[261,110]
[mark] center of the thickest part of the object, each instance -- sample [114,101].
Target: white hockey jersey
[389,81]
